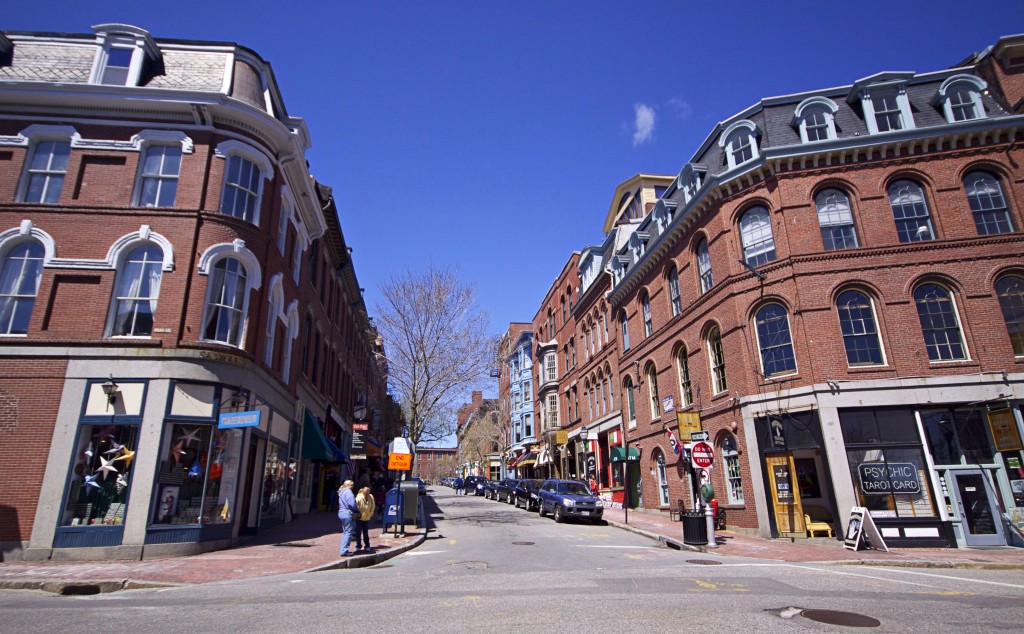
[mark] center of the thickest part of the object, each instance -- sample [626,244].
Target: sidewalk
[817,549]
[308,543]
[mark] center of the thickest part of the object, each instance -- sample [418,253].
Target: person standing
[347,512]
[458,485]
[364,500]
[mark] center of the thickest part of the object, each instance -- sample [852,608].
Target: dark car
[475,484]
[526,495]
[506,490]
[490,491]
[569,498]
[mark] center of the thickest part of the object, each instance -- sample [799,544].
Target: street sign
[703,455]
[400,462]
[699,436]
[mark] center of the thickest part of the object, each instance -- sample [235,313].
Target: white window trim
[292,317]
[129,241]
[27,230]
[741,127]
[30,137]
[760,348]
[122,36]
[226,149]
[811,105]
[899,89]
[715,387]
[654,399]
[975,85]
[275,312]
[253,277]
[137,190]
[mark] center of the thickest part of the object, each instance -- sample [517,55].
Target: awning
[619,454]
[544,457]
[528,459]
[316,446]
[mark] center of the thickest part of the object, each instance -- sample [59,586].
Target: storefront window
[274,480]
[733,481]
[957,436]
[197,477]
[101,475]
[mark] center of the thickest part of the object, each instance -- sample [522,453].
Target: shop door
[789,514]
[980,516]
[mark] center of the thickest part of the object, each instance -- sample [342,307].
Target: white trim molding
[236,249]
[27,230]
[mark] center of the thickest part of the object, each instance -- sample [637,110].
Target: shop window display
[198,474]
[274,480]
[101,475]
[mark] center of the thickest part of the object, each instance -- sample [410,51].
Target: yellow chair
[817,527]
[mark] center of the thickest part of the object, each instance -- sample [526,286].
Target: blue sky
[491,135]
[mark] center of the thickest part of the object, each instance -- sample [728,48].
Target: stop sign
[703,455]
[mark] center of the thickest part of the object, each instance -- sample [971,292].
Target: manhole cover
[472,565]
[834,617]
[704,562]
[294,545]
[523,543]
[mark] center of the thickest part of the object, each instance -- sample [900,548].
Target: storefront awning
[619,454]
[316,446]
[544,457]
[528,459]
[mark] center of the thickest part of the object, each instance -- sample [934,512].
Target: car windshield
[572,488]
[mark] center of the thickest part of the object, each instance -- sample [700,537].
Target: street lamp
[584,436]
[110,390]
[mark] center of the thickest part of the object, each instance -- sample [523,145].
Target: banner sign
[1004,430]
[235,420]
[562,436]
[880,478]
[668,403]
[360,426]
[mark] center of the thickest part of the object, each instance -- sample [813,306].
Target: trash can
[411,492]
[695,528]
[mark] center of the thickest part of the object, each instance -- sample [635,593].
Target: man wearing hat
[347,512]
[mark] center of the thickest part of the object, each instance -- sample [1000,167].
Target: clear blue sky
[491,135]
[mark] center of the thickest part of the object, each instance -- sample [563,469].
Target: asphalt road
[487,567]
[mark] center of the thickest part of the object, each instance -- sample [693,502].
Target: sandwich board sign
[861,532]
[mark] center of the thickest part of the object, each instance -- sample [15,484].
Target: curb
[85,586]
[365,561]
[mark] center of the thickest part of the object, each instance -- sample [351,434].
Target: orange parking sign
[400,462]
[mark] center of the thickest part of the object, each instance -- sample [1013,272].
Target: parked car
[475,484]
[526,495]
[505,490]
[490,492]
[569,498]
[421,483]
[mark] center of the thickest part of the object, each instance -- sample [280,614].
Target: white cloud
[644,124]
[682,108]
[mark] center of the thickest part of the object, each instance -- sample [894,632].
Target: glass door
[978,511]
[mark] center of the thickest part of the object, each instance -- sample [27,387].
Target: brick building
[479,437]
[833,288]
[434,463]
[184,339]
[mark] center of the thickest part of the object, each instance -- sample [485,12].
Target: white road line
[608,546]
[854,574]
[929,574]
[412,553]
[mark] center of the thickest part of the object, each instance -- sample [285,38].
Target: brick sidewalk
[818,549]
[311,541]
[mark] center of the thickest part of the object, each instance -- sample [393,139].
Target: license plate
[584,512]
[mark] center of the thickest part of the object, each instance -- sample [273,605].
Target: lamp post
[110,390]
[584,436]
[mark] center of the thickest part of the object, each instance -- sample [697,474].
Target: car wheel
[559,517]
[540,510]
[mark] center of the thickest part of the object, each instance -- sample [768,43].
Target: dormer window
[815,118]
[960,98]
[638,244]
[690,180]
[123,53]
[884,101]
[740,143]
[664,212]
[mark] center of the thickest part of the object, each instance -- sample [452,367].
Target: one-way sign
[699,436]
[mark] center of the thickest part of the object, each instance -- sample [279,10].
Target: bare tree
[437,344]
[480,437]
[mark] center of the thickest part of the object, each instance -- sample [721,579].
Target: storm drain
[834,617]
[704,562]
[80,589]
[523,543]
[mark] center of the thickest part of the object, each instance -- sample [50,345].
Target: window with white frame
[774,340]
[291,335]
[939,323]
[225,302]
[630,403]
[731,463]
[716,356]
[815,118]
[652,388]
[116,64]
[884,102]
[158,175]
[888,115]
[19,283]
[552,411]
[988,205]
[241,188]
[836,220]
[662,480]
[645,303]
[551,366]
[136,291]
[1010,291]
[860,334]
[624,322]
[704,266]
[275,300]
[910,211]
[739,141]
[756,235]
[673,291]
[960,98]
[283,222]
[45,171]
[683,369]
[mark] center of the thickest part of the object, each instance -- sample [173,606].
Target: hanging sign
[1004,430]
[688,422]
[778,430]
[235,420]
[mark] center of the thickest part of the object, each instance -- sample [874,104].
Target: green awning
[316,446]
[619,454]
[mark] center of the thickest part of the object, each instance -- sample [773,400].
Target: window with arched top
[940,325]
[683,369]
[988,205]
[652,388]
[630,403]
[756,236]
[704,266]
[624,323]
[774,340]
[645,304]
[910,211]
[815,119]
[662,474]
[739,141]
[860,334]
[1010,291]
[733,475]
[716,357]
[19,283]
[673,291]
[136,290]
[835,219]
[960,98]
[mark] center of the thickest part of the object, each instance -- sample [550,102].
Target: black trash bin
[695,528]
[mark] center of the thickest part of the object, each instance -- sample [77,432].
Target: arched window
[136,291]
[1010,291]
[630,403]
[652,387]
[739,141]
[19,283]
[815,117]
[988,205]
[704,266]
[645,302]
[960,98]
[225,303]
[673,291]
[716,355]
[860,335]
[731,464]
[910,211]
[624,320]
[939,323]
[662,479]
[683,368]
[836,220]
[774,340]
[756,235]
[274,311]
